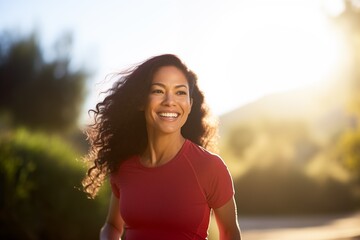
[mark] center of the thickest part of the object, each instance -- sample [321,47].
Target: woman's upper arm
[114,225]
[114,216]
[227,222]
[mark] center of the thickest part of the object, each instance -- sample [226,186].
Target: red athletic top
[172,201]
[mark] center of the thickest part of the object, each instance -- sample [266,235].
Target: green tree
[37,93]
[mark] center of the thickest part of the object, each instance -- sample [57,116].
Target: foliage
[348,152]
[281,168]
[266,141]
[285,189]
[37,93]
[39,190]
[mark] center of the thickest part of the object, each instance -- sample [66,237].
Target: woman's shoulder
[212,174]
[201,156]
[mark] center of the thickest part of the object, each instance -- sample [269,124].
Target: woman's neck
[161,149]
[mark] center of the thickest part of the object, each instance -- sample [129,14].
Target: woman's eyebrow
[158,84]
[163,85]
[180,86]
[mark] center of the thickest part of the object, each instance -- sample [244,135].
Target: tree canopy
[37,93]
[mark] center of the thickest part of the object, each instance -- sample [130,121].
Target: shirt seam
[204,195]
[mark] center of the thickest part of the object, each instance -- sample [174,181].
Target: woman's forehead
[170,75]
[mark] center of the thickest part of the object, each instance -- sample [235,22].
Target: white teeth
[171,115]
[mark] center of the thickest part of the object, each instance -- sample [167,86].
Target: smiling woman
[151,137]
[169,102]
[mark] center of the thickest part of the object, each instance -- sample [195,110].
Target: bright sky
[241,50]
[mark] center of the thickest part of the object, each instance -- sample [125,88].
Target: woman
[150,135]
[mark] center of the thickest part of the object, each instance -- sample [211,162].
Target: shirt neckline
[170,162]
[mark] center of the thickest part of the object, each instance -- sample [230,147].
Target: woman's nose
[169,99]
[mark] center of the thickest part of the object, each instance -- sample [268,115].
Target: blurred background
[282,76]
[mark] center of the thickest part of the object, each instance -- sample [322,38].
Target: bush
[39,190]
[281,189]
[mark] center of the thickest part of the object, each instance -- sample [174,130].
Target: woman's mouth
[169,115]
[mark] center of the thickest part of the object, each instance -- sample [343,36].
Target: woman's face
[168,103]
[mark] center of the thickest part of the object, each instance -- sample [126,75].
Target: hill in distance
[321,107]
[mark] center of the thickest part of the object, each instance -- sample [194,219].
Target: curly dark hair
[119,128]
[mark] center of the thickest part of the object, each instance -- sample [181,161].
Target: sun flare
[333,7]
[268,48]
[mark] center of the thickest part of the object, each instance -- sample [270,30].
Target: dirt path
[330,227]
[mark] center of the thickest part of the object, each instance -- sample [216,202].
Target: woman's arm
[227,222]
[114,225]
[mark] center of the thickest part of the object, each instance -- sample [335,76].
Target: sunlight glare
[356,3]
[333,7]
[270,48]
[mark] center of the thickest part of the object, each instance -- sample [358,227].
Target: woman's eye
[157,91]
[182,93]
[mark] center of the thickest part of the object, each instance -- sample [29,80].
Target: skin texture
[166,111]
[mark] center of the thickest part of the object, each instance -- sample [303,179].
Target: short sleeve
[220,188]
[114,186]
